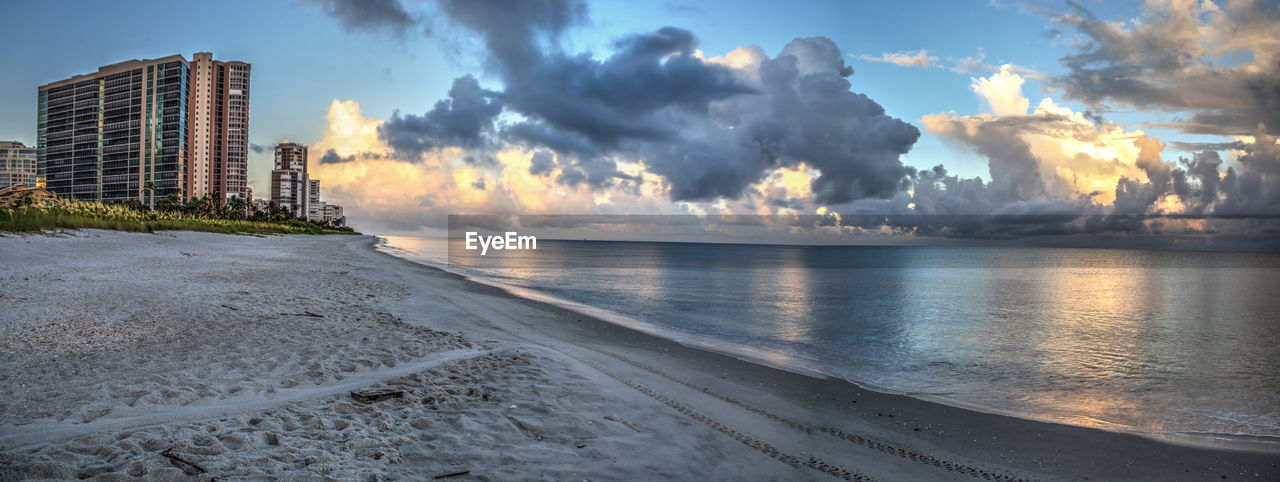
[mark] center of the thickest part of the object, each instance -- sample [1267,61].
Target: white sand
[116,347]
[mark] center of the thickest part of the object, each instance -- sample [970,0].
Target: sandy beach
[192,355]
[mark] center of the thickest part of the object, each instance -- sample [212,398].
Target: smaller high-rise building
[314,206]
[289,182]
[17,165]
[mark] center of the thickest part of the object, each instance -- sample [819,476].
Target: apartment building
[314,206]
[289,181]
[17,164]
[146,129]
[332,214]
[118,133]
[218,129]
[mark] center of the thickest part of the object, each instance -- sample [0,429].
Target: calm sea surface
[1156,342]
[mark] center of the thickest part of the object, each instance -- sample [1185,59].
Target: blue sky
[302,60]
[306,55]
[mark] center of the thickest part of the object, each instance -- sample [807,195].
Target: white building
[17,164]
[289,178]
[332,214]
[315,208]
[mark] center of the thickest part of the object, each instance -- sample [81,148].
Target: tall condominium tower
[17,164]
[314,207]
[289,178]
[119,133]
[218,129]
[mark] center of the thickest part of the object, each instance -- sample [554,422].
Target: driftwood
[370,396]
[455,474]
[229,307]
[629,425]
[181,460]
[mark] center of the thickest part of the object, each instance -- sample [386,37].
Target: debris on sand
[370,396]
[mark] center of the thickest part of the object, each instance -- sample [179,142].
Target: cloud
[1099,175]
[709,128]
[331,157]
[1050,153]
[1221,65]
[683,8]
[1255,187]
[972,65]
[461,120]
[384,194]
[370,15]
[657,127]
[643,92]
[257,148]
[542,163]
[918,58]
[1003,92]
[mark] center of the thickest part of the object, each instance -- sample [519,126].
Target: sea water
[1164,343]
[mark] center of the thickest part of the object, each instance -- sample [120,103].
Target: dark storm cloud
[1170,62]
[332,157]
[1255,188]
[257,148]
[802,112]
[461,120]
[541,163]
[580,161]
[642,92]
[516,32]
[370,15]
[708,130]
[533,134]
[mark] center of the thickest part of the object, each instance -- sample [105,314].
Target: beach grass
[94,215]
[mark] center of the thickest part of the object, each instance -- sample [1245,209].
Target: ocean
[1177,344]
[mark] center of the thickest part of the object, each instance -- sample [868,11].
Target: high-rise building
[289,178]
[17,164]
[118,133]
[218,129]
[314,206]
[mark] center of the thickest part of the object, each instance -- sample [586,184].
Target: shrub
[132,218]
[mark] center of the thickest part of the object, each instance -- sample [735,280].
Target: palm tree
[151,194]
[170,203]
[200,208]
[238,207]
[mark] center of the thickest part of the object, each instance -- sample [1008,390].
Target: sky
[416,109]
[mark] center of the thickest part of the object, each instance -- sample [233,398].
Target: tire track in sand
[27,435]
[906,453]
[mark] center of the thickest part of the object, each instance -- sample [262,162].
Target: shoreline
[1148,441]
[551,393]
[813,368]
